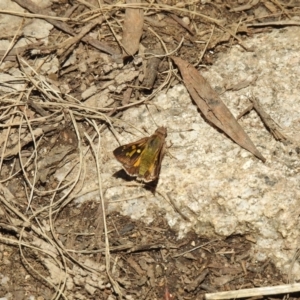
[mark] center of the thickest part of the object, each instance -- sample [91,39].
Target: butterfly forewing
[128,154]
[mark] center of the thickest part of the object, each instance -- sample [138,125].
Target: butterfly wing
[153,170]
[129,156]
[143,157]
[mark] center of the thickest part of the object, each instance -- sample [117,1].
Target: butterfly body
[143,157]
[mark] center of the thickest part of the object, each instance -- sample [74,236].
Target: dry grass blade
[96,152]
[162,7]
[34,240]
[12,42]
[276,2]
[29,5]
[67,46]
[212,107]
[244,6]
[32,185]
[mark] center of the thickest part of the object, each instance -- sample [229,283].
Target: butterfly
[143,157]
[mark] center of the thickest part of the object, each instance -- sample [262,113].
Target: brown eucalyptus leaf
[212,107]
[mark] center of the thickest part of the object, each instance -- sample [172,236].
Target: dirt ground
[52,248]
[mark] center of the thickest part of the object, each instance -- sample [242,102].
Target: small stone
[186,20]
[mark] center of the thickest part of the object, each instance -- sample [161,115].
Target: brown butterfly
[143,157]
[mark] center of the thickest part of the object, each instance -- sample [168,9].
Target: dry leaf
[212,107]
[132,29]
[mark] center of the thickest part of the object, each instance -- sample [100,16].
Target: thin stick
[262,291]
[268,121]
[275,23]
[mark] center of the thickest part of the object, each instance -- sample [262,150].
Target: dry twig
[265,117]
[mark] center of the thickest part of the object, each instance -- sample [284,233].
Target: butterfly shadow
[123,175]
[151,186]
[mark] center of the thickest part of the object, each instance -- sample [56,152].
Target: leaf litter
[65,251]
